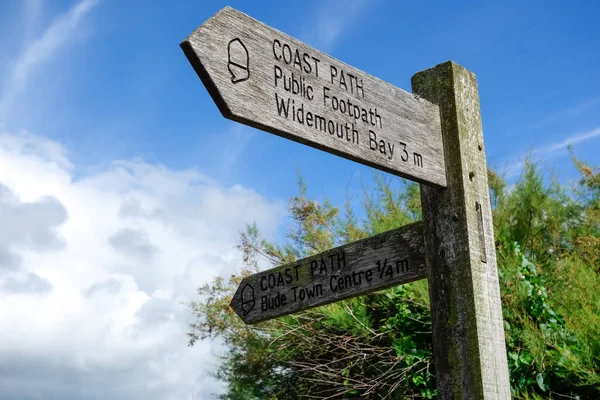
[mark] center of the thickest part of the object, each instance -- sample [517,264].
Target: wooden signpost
[263,78]
[378,262]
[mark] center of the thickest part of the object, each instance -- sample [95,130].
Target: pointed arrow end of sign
[193,57]
[232,305]
[244,301]
[234,301]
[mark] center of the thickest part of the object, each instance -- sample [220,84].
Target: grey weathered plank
[395,132]
[388,259]
[468,333]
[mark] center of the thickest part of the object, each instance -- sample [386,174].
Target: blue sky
[120,86]
[108,134]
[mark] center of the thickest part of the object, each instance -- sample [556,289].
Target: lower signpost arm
[468,335]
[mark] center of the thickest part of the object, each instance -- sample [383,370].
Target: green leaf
[540,381]
[525,358]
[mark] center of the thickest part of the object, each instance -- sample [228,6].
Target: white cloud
[42,49]
[549,151]
[557,116]
[33,11]
[561,145]
[93,273]
[334,18]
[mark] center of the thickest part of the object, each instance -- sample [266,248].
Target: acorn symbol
[239,60]
[247,298]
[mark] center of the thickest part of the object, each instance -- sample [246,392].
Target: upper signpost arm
[266,79]
[468,333]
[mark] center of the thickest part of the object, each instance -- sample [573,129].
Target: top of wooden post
[468,332]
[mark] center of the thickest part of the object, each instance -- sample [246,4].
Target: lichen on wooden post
[468,333]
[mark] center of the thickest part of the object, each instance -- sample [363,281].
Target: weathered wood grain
[388,259]
[468,333]
[263,78]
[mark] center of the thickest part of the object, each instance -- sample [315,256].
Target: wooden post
[468,334]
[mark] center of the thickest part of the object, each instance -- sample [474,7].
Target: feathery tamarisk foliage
[378,346]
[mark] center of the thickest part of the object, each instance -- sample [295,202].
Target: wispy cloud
[549,151]
[561,115]
[573,139]
[332,21]
[33,11]
[41,50]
